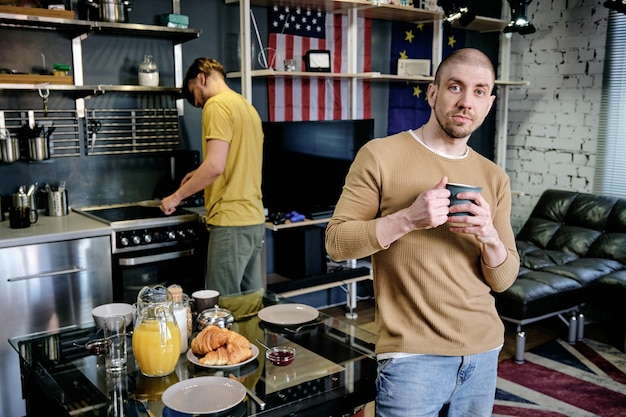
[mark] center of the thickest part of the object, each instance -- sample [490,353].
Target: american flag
[294,31]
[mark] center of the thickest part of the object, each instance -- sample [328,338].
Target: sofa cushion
[609,292]
[585,270]
[569,241]
[537,293]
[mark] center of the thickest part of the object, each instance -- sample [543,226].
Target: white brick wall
[554,122]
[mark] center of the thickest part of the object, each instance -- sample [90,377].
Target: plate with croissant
[217,347]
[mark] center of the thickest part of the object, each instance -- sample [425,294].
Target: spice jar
[148,72]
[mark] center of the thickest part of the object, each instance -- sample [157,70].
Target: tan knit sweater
[431,288]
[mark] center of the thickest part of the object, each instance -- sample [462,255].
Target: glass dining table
[332,375]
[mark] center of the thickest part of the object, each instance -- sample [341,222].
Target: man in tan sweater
[439,331]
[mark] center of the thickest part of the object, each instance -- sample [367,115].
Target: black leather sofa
[573,255]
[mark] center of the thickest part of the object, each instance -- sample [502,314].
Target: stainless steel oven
[149,248]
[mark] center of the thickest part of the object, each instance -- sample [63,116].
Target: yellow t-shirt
[234,198]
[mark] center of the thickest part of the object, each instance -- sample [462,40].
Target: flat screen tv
[305,163]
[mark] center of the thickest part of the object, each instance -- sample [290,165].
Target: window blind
[610,175]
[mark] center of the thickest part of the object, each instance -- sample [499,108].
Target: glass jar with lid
[148,72]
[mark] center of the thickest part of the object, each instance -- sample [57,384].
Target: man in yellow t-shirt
[230,174]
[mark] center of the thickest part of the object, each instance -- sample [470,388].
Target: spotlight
[617,5]
[519,20]
[456,10]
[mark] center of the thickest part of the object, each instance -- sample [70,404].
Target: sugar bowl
[216,316]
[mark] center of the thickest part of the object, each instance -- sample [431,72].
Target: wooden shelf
[288,225]
[376,10]
[35,79]
[37,11]
[277,279]
[369,76]
[75,27]
[34,82]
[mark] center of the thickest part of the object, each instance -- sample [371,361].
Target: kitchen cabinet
[46,286]
[137,132]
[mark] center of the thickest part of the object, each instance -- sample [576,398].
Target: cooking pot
[9,147]
[111,10]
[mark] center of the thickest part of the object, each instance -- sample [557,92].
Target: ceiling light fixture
[617,5]
[519,18]
[456,10]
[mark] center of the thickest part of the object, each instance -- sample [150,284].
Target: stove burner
[117,214]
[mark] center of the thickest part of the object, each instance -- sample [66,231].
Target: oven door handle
[141,260]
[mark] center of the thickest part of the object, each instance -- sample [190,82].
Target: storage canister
[57,203]
[9,147]
[148,72]
[38,148]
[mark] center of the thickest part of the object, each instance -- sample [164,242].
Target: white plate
[205,394]
[288,314]
[194,359]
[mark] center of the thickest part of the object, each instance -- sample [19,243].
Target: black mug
[19,217]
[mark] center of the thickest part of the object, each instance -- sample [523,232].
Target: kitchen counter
[52,229]
[333,372]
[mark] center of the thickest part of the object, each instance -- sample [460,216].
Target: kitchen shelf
[368,76]
[88,90]
[289,225]
[86,27]
[380,11]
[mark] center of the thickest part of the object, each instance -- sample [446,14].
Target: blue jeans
[431,385]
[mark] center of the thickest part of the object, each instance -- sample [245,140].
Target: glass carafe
[156,338]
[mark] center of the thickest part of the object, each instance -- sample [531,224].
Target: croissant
[218,346]
[218,356]
[209,339]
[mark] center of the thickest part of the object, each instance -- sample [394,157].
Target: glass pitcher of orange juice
[156,338]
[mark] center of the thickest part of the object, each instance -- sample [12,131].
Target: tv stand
[301,286]
[295,286]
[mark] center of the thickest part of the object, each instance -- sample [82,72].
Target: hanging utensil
[44,96]
[94,127]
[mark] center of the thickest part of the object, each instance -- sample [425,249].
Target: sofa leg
[573,329]
[580,334]
[520,346]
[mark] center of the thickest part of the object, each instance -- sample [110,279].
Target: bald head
[466,56]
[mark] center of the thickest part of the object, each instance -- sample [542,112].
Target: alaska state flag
[408,107]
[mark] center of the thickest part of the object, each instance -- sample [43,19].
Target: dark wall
[111,60]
